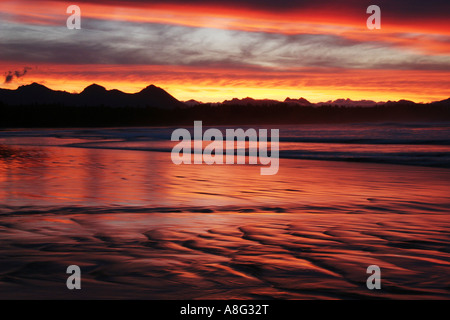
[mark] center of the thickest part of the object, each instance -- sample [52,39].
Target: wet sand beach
[140,227]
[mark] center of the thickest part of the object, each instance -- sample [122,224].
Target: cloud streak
[157,44]
[232,45]
[399,8]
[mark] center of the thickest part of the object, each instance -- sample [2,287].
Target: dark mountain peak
[94,89]
[33,88]
[157,97]
[151,90]
[239,101]
[116,91]
[192,103]
[250,102]
[401,102]
[301,101]
[445,102]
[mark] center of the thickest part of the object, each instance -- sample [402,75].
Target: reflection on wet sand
[225,255]
[141,227]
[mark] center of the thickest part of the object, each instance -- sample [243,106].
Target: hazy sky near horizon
[215,50]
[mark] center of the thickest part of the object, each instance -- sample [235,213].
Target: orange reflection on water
[84,176]
[142,227]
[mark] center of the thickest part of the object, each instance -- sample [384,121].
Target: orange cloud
[431,34]
[213,85]
[216,84]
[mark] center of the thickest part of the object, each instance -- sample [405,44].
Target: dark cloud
[19,74]
[399,8]
[9,76]
[126,43]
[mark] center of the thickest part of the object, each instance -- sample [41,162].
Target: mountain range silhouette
[151,96]
[93,95]
[35,105]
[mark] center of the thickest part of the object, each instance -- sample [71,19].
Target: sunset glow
[225,49]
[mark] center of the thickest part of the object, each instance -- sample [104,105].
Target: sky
[215,50]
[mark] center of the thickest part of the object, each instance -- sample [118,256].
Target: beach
[140,227]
